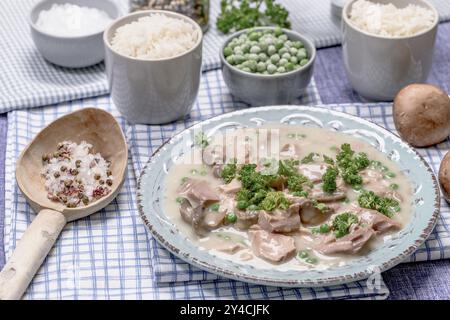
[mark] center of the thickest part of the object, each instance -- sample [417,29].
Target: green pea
[230,59]
[289,66]
[255,49]
[311,260]
[253,56]
[227,51]
[246,47]
[303,254]
[271,50]
[215,207]
[281,70]
[262,57]
[260,67]
[283,37]
[394,186]
[279,44]
[231,218]
[238,58]
[282,62]
[252,207]
[297,44]
[303,62]
[268,41]
[293,51]
[282,51]
[275,58]
[238,50]
[286,55]
[246,69]
[293,60]
[179,200]
[278,31]
[271,68]
[254,36]
[301,54]
[288,44]
[390,175]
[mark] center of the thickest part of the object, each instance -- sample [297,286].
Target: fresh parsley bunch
[242,14]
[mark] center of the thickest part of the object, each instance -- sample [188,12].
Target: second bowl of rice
[153,63]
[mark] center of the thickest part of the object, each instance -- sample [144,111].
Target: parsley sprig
[242,14]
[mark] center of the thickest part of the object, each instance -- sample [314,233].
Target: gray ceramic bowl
[377,66]
[258,89]
[153,91]
[71,52]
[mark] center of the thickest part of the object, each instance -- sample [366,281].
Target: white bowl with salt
[68,33]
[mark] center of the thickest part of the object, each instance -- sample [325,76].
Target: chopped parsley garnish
[386,206]
[321,206]
[303,194]
[295,183]
[328,160]
[342,223]
[309,158]
[201,140]
[229,171]
[323,228]
[351,163]
[274,200]
[329,180]
[244,14]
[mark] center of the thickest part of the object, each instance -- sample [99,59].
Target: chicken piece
[280,220]
[349,244]
[377,221]
[272,247]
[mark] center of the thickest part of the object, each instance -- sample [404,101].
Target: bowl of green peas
[267,65]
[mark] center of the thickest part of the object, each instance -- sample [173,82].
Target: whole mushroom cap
[444,176]
[422,114]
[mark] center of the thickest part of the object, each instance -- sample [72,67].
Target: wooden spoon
[94,126]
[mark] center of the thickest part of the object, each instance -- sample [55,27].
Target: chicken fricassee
[293,196]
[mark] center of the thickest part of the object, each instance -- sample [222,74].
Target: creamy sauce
[230,243]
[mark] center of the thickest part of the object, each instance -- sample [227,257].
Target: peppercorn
[101,182]
[64,199]
[97,176]
[71,205]
[80,195]
[109,182]
[78,163]
[73,172]
[63,168]
[85,200]
[108,172]
[108,163]
[56,154]
[56,174]
[60,145]
[45,158]
[68,182]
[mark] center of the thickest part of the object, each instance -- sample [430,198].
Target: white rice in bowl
[156,36]
[390,21]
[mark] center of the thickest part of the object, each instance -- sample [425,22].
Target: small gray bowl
[71,52]
[153,91]
[378,67]
[259,89]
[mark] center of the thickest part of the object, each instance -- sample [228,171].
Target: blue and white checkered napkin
[110,254]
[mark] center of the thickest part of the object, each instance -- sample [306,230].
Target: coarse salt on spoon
[94,126]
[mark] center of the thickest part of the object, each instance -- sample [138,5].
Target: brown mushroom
[422,114]
[444,176]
